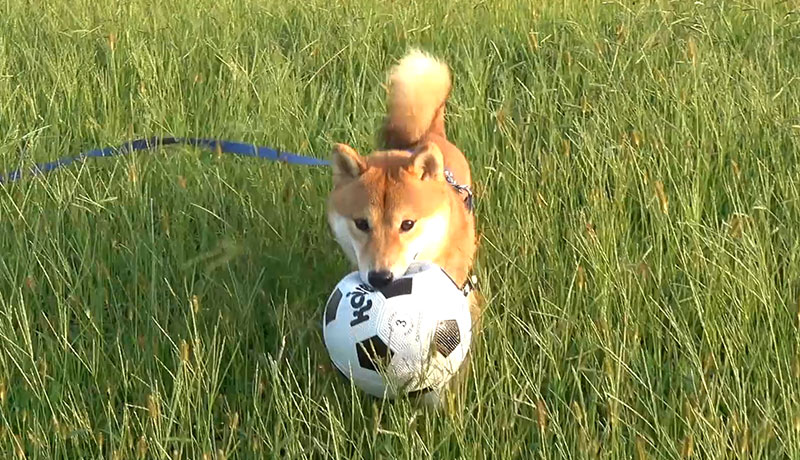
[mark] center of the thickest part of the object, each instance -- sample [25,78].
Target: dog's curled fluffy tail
[419,86]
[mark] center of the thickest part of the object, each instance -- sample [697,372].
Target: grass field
[638,182]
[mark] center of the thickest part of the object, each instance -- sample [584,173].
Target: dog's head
[389,209]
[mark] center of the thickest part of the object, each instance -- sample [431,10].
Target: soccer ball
[409,337]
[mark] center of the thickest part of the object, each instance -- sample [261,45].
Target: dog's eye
[362,224]
[406,225]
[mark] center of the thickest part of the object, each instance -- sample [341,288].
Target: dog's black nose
[379,278]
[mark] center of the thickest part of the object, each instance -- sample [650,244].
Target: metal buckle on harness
[468,201]
[470,285]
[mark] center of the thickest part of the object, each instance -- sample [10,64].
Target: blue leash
[236,148]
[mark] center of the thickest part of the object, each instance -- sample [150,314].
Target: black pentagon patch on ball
[401,286]
[372,351]
[447,337]
[332,306]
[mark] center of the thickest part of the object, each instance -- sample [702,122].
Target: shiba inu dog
[411,200]
[398,205]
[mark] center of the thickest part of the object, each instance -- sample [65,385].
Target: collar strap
[468,201]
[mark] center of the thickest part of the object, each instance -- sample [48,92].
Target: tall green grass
[638,178]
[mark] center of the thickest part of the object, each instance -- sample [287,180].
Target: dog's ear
[347,163]
[428,163]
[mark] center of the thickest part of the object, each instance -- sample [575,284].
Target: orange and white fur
[394,206]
